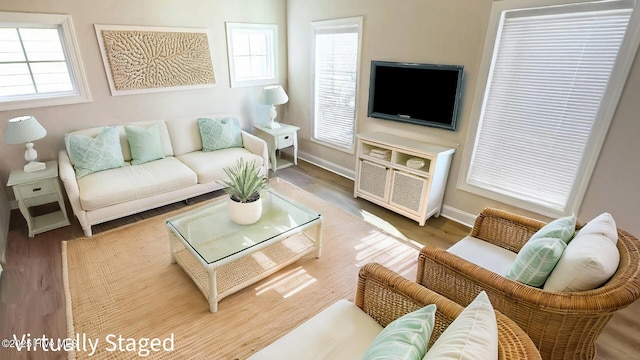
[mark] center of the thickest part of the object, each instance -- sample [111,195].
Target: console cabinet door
[373,180]
[408,192]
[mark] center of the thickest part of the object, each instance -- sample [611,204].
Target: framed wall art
[141,59]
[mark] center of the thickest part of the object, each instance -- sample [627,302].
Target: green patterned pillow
[404,338]
[95,154]
[563,228]
[536,260]
[145,143]
[220,134]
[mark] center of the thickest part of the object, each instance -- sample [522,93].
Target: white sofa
[185,171]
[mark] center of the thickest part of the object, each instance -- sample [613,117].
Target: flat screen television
[422,94]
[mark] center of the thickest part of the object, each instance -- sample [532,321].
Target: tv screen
[422,94]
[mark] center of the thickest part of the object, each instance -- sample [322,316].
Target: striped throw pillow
[405,338]
[537,258]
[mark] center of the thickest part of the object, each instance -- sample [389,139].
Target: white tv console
[384,177]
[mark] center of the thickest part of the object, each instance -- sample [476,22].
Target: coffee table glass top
[210,232]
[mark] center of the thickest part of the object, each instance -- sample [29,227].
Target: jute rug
[126,300]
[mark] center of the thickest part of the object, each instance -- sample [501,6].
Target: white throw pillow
[602,224]
[588,262]
[472,335]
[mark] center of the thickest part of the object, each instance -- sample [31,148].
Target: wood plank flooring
[31,293]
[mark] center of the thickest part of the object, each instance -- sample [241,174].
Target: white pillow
[472,335]
[588,262]
[602,224]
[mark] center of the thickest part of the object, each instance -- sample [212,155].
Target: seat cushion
[484,254]
[209,165]
[341,331]
[128,183]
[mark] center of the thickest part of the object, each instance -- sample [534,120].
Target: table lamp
[24,130]
[273,95]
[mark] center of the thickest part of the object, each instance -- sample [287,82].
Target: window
[252,50]
[554,75]
[336,63]
[39,62]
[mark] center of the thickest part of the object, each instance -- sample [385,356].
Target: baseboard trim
[329,166]
[458,215]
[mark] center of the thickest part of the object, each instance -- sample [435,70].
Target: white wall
[106,109]
[451,32]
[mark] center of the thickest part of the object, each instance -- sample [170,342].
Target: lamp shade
[273,95]
[23,129]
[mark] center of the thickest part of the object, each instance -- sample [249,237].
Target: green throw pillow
[563,228]
[219,134]
[95,154]
[404,338]
[537,258]
[145,143]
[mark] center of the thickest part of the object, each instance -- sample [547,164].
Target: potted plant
[243,186]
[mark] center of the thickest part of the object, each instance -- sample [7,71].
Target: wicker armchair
[563,325]
[385,296]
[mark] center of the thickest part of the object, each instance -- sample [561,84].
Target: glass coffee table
[222,257]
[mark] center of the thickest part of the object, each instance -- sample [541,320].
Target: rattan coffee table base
[247,270]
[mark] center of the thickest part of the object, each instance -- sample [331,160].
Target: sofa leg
[87,231]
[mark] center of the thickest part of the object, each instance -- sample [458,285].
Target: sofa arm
[257,146]
[505,229]
[384,295]
[68,176]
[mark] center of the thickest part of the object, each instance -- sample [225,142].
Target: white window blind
[336,63]
[549,74]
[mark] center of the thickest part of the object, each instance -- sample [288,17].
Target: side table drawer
[285,141]
[36,189]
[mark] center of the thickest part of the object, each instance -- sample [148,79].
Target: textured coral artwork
[141,59]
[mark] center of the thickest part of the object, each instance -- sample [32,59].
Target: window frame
[599,128]
[272,53]
[356,21]
[64,24]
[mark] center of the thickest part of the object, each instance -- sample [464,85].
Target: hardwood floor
[31,292]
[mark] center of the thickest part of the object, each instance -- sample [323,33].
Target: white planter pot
[244,213]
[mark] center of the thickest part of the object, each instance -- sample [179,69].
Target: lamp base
[34,166]
[273,125]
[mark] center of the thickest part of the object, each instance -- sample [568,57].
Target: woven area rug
[122,291]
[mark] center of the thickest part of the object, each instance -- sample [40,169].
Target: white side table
[283,137]
[39,188]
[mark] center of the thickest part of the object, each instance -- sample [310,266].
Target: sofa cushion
[602,224]
[91,154]
[128,183]
[124,143]
[588,262]
[219,134]
[163,133]
[562,228]
[405,338]
[472,335]
[536,260]
[209,165]
[341,331]
[484,254]
[144,142]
